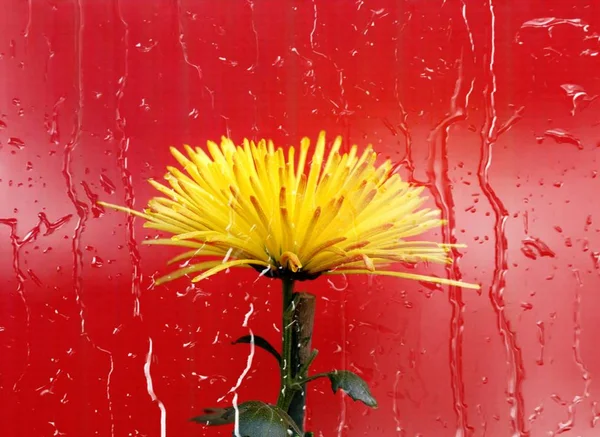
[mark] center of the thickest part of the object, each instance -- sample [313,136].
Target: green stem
[296,354]
[302,381]
[286,392]
[306,365]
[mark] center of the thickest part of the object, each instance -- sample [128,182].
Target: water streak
[407,160]
[255,64]
[29,16]
[399,428]
[569,424]
[341,107]
[243,374]
[440,186]
[496,291]
[17,243]
[344,364]
[124,142]
[542,340]
[150,389]
[81,208]
[12,223]
[182,42]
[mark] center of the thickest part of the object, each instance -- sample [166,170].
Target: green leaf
[260,342]
[256,419]
[353,385]
[216,416]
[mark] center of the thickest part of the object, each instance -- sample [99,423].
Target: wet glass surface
[491,105]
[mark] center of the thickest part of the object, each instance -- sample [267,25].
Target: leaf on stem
[256,419]
[353,385]
[216,416]
[261,343]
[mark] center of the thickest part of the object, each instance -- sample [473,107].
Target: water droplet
[431,285]
[34,278]
[144,105]
[194,113]
[541,248]
[341,286]
[580,99]
[145,48]
[549,23]
[17,142]
[589,52]
[278,62]
[97,262]
[29,165]
[229,62]
[596,259]
[2,125]
[107,184]
[561,136]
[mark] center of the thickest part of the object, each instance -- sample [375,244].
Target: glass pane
[490,106]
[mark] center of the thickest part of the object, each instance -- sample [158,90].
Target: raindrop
[29,165]
[278,62]
[596,259]
[97,210]
[107,184]
[145,48]
[228,61]
[561,136]
[340,287]
[528,252]
[97,262]
[144,105]
[541,248]
[431,285]
[34,278]
[2,125]
[390,126]
[17,142]
[589,52]
[578,95]
[549,23]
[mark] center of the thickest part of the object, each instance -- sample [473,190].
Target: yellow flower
[251,206]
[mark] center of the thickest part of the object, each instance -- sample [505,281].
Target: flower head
[290,215]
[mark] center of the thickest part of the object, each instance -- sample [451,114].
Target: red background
[461,92]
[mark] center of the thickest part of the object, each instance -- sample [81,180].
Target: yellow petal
[406,275]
